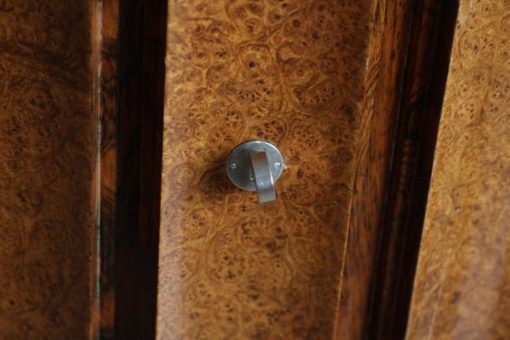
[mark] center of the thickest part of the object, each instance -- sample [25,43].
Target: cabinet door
[291,73]
[311,77]
[48,168]
[462,286]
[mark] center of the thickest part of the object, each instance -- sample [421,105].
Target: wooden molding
[425,70]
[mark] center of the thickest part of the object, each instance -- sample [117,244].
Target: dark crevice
[142,41]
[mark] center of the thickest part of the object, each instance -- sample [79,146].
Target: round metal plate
[239,169]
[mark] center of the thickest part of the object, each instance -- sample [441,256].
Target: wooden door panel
[48,169]
[293,73]
[462,286]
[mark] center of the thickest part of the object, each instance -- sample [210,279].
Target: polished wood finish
[344,88]
[142,31]
[429,39]
[294,73]
[108,110]
[49,192]
[403,106]
[462,287]
[385,65]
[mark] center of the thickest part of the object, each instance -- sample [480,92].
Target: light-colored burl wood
[293,73]
[462,288]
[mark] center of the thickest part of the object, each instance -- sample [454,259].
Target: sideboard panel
[48,183]
[462,287]
[294,73]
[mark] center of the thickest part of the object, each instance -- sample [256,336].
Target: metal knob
[256,166]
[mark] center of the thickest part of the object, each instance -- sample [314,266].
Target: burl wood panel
[462,287]
[48,138]
[291,72]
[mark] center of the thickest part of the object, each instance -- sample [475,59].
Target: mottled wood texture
[48,173]
[294,73]
[462,287]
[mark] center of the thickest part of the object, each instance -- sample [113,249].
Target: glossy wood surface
[108,140]
[291,72]
[429,35]
[385,70]
[462,288]
[48,169]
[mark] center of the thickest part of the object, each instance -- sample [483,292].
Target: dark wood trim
[108,94]
[387,55]
[419,110]
[142,39]
[408,65]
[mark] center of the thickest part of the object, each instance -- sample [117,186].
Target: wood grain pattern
[429,36]
[48,183]
[108,111]
[291,72]
[462,288]
[385,70]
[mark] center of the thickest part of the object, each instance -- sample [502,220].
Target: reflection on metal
[256,166]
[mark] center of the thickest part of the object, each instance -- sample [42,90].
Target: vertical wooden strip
[386,62]
[108,105]
[430,36]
